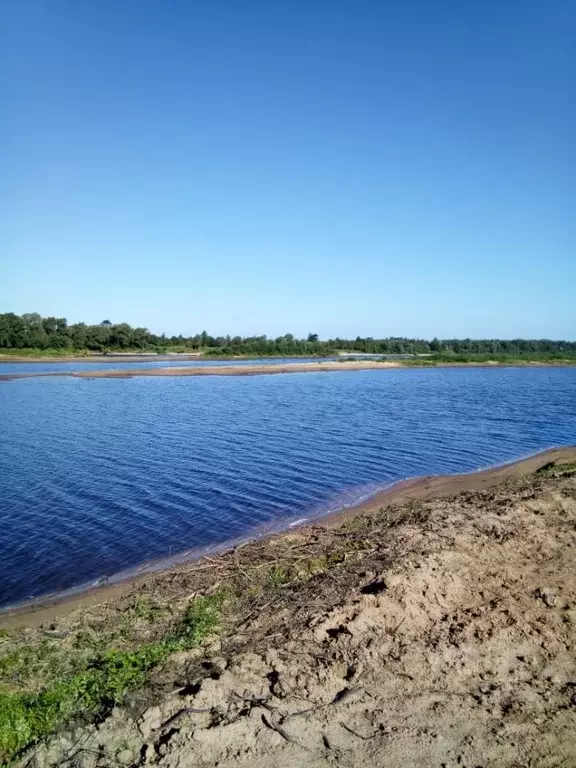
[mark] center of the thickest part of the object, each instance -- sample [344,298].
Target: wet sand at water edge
[429,487]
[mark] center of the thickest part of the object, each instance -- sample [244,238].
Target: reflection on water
[97,476]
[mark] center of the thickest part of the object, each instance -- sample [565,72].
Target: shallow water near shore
[98,476]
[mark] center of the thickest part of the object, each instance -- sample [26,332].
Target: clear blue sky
[373,168]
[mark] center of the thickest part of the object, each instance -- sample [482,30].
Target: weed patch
[555,469]
[278,577]
[26,717]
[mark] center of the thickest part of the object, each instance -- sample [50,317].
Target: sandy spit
[255,370]
[220,370]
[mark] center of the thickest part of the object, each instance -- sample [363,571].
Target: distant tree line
[31,331]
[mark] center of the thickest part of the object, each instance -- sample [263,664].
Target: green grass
[106,677]
[418,362]
[557,469]
[491,357]
[7,352]
[278,577]
[31,352]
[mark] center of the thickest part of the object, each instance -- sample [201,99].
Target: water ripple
[97,479]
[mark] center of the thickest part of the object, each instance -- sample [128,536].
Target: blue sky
[373,168]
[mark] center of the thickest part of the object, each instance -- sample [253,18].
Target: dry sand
[216,370]
[443,634]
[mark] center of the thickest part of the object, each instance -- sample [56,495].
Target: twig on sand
[213,560]
[181,713]
[258,609]
[358,735]
[278,728]
[346,694]
[341,697]
[302,712]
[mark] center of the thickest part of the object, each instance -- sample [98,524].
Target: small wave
[120,476]
[297,522]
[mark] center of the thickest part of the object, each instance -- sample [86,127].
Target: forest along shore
[430,630]
[271,368]
[31,335]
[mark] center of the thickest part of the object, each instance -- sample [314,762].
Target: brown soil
[435,632]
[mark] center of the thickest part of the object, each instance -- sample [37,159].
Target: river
[100,476]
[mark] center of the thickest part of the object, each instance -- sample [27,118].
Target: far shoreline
[128,357]
[38,611]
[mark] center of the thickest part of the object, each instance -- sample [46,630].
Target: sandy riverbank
[437,486]
[437,630]
[428,487]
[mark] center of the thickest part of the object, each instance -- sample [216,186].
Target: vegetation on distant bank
[32,335]
[512,358]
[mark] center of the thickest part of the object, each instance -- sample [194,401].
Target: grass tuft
[26,717]
[278,577]
[557,469]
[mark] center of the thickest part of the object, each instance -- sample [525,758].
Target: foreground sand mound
[436,633]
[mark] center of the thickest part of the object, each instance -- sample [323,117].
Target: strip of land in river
[256,369]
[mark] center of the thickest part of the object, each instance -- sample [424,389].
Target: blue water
[100,475]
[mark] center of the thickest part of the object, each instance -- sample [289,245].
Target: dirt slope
[442,633]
